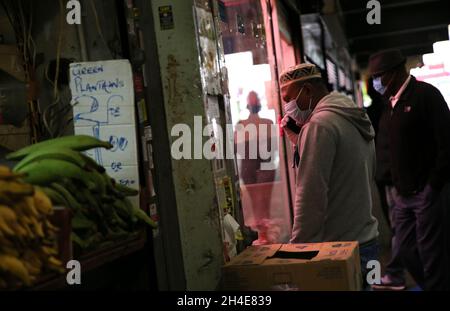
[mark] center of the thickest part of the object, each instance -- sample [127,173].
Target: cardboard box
[333,266]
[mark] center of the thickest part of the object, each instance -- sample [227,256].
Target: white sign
[104,108]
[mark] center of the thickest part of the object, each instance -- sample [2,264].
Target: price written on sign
[104,108]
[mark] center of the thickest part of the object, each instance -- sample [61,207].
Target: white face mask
[300,116]
[378,86]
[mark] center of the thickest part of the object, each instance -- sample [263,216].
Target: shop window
[254,104]
[342,78]
[312,32]
[332,74]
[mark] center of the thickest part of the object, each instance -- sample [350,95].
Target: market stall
[76,160]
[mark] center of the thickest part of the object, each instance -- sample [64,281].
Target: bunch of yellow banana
[100,208]
[27,238]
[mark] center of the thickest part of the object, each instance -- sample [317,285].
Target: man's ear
[308,88]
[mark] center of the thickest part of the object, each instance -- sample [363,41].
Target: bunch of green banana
[27,238]
[76,142]
[109,214]
[54,160]
[100,208]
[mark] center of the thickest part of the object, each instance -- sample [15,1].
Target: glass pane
[255,110]
[287,57]
[332,74]
[312,32]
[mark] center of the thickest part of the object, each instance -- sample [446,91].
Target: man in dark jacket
[394,278]
[415,128]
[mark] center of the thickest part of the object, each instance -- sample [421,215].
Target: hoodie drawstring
[296,157]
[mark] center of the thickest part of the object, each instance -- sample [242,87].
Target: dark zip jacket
[414,140]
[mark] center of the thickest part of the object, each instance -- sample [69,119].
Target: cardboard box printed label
[332,266]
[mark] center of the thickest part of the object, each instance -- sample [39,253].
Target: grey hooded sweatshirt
[333,199]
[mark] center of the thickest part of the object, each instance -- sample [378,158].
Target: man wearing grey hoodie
[336,163]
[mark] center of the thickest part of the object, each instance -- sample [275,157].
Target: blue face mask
[378,86]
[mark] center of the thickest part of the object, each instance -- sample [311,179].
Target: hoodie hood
[346,108]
